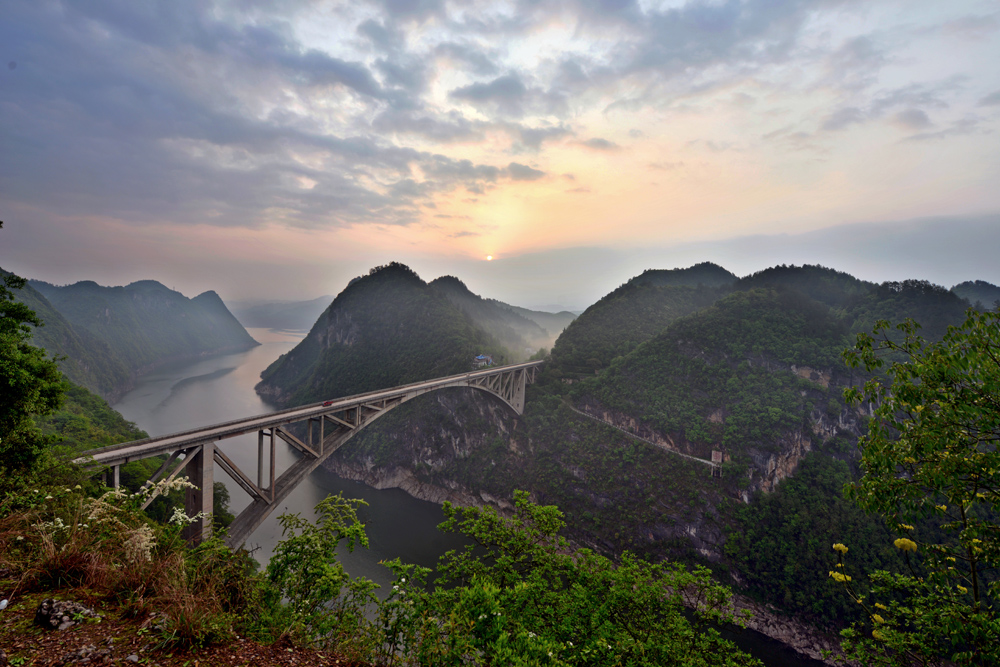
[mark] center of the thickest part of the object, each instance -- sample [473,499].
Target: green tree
[30,385]
[932,468]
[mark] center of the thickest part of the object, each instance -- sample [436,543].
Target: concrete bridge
[328,425]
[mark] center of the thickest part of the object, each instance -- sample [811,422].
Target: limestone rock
[61,614]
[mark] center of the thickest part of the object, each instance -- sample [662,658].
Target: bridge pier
[199,501]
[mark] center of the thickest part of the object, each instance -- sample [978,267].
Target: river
[188,395]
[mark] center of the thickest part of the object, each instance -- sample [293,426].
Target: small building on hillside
[482,361]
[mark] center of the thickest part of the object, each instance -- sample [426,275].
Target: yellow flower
[877,635]
[837,576]
[877,618]
[840,547]
[943,508]
[906,526]
[881,606]
[905,544]
[963,589]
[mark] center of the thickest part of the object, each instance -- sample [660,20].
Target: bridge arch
[328,426]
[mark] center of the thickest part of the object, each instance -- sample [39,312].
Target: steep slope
[146,324]
[986,295]
[288,315]
[385,329]
[83,358]
[519,334]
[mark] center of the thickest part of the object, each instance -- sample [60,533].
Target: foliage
[930,455]
[519,595]
[57,537]
[30,385]
[324,605]
[781,543]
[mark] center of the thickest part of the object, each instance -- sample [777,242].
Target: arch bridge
[327,426]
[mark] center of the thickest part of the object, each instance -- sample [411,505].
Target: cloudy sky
[278,148]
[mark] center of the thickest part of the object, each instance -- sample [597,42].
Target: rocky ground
[95,633]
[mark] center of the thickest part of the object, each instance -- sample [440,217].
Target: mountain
[705,273]
[385,329]
[83,357]
[751,369]
[111,335]
[519,333]
[986,295]
[284,315]
[554,323]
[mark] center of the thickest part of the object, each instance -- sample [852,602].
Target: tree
[30,384]
[932,468]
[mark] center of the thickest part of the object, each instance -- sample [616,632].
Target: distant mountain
[285,315]
[987,295]
[521,334]
[85,358]
[553,322]
[114,334]
[386,328]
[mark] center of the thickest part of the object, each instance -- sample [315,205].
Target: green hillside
[385,329]
[704,274]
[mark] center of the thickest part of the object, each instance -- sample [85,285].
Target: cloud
[463,234]
[521,172]
[599,144]
[961,127]
[912,119]
[842,119]
[991,100]
[506,93]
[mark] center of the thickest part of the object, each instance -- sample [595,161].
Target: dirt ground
[121,641]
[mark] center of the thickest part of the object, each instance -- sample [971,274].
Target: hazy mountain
[987,295]
[553,322]
[287,315]
[520,334]
[706,273]
[84,358]
[385,329]
[113,334]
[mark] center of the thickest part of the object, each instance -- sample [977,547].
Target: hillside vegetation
[385,329]
[107,336]
[752,370]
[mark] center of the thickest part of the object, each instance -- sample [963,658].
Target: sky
[276,149]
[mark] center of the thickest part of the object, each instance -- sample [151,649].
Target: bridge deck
[194,451]
[140,449]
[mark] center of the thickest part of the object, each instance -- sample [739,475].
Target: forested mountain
[979,293]
[287,315]
[751,369]
[385,329]
[518,333]
[84,358]
[705,274]
[110,335]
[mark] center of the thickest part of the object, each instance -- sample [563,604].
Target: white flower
[19,538]
[48,497]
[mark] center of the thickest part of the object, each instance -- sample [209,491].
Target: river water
[188,395]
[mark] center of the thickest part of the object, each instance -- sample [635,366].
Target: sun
[489,258]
